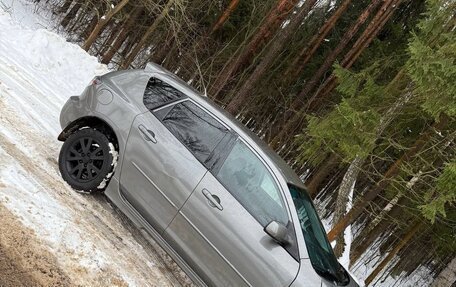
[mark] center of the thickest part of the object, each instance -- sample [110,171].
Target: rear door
[161,167]
[219,231]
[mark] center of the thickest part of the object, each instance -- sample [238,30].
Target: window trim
[211,114]
[172,103]
[223,152]
[169,106]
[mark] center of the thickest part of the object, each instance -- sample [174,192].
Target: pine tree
[432,47]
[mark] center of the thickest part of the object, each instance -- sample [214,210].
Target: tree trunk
[66,5]
[392,171]
[73,11]
[90,27]
[306,54]
[448,275]
[376,230]
[225,15]
[320,175]
[380,19]
[106,44]
[187,62]
[102,23]
[407,237]
[263,34]
[347,184]
[126,29]
[78,22]
[331,58]
[159,55]
[129,59]
[272,52]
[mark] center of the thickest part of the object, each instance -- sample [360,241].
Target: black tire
[85,160]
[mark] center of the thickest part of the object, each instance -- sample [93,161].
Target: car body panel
[227,241]
[183,206]
[118,114]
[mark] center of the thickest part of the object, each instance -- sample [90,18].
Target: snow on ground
[26,13]
[348,238]
[39,71]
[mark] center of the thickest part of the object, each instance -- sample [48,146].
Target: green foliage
[443,196]
[442,235]
[350,128]
[432,64]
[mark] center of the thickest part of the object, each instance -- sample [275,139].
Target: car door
[160,169]
[220,229]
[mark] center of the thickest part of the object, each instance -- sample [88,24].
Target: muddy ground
[23,259]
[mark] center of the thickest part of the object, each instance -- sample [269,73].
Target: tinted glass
[320,251]
[158,93]
[196,129]
[250,182]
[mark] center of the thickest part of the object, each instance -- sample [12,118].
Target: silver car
[225,207]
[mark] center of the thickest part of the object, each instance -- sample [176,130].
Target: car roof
[286,171]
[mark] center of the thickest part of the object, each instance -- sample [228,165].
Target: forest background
[359,97]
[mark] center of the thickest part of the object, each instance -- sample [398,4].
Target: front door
[219,231]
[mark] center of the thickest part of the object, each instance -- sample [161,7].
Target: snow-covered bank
[39,70]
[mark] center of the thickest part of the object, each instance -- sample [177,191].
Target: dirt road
[49,234]
[23,260]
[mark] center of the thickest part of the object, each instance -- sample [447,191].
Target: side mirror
[277,231]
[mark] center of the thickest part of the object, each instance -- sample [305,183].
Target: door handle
[147,134]
[214,200]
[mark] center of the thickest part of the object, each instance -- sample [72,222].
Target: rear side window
[158,93]
[250,182]
[195,128]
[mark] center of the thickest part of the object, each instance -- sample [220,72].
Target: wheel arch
[92,122]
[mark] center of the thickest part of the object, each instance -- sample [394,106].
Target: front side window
[194,128]
[158,93]
[251,183]
[320,251]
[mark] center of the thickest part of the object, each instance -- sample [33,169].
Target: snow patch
[115,156]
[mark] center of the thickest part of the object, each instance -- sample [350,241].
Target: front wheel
[86,160]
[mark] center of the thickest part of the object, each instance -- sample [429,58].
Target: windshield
[320,251]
